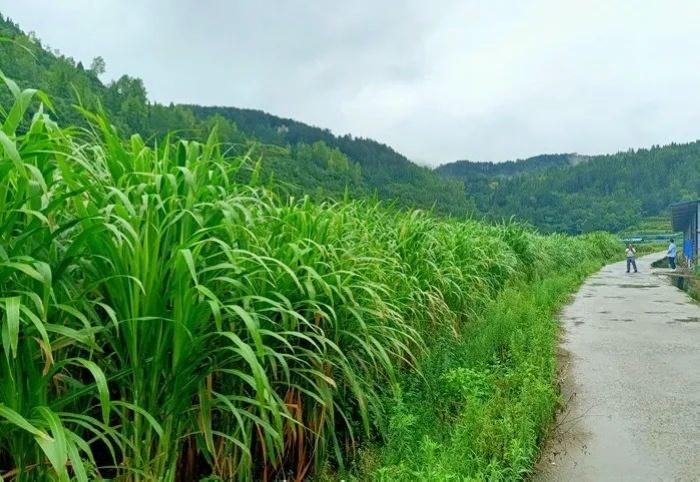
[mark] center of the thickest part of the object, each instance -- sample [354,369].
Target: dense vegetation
[485,403]
[583,194]
[305,159]
[164,316]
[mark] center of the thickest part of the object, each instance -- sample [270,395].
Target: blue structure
[685,217]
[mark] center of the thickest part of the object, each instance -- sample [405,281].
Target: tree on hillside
[98,66]
[127,98]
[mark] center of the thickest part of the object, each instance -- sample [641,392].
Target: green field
[161,319]
[654,225]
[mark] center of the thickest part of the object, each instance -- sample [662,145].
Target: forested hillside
[466,170]
[301,158]
[578,194]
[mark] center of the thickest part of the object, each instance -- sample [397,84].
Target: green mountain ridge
[575,194]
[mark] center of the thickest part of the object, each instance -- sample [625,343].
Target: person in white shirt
[630,253]
[672,255]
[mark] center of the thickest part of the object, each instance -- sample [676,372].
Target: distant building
[685,217]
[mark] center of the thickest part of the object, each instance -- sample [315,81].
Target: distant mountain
[573,193]
[466,169]
[302,159]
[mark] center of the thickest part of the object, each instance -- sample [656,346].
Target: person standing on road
[672,255]
[630,253]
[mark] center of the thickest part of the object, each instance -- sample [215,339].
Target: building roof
[682,213]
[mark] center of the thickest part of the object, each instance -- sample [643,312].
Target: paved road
[631,352]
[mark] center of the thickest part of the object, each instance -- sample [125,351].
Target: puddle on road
[629,285]
[683,321]
[688,320]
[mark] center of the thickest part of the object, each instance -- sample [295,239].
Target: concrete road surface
[631,356]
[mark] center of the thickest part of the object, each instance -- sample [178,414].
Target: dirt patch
[563,437]
[557,437]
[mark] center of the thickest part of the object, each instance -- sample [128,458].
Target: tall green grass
[162,320]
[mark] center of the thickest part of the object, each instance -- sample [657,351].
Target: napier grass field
[162,319]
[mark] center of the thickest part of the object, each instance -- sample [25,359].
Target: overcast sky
[437,80]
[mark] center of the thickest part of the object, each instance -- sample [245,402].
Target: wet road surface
[631,366]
